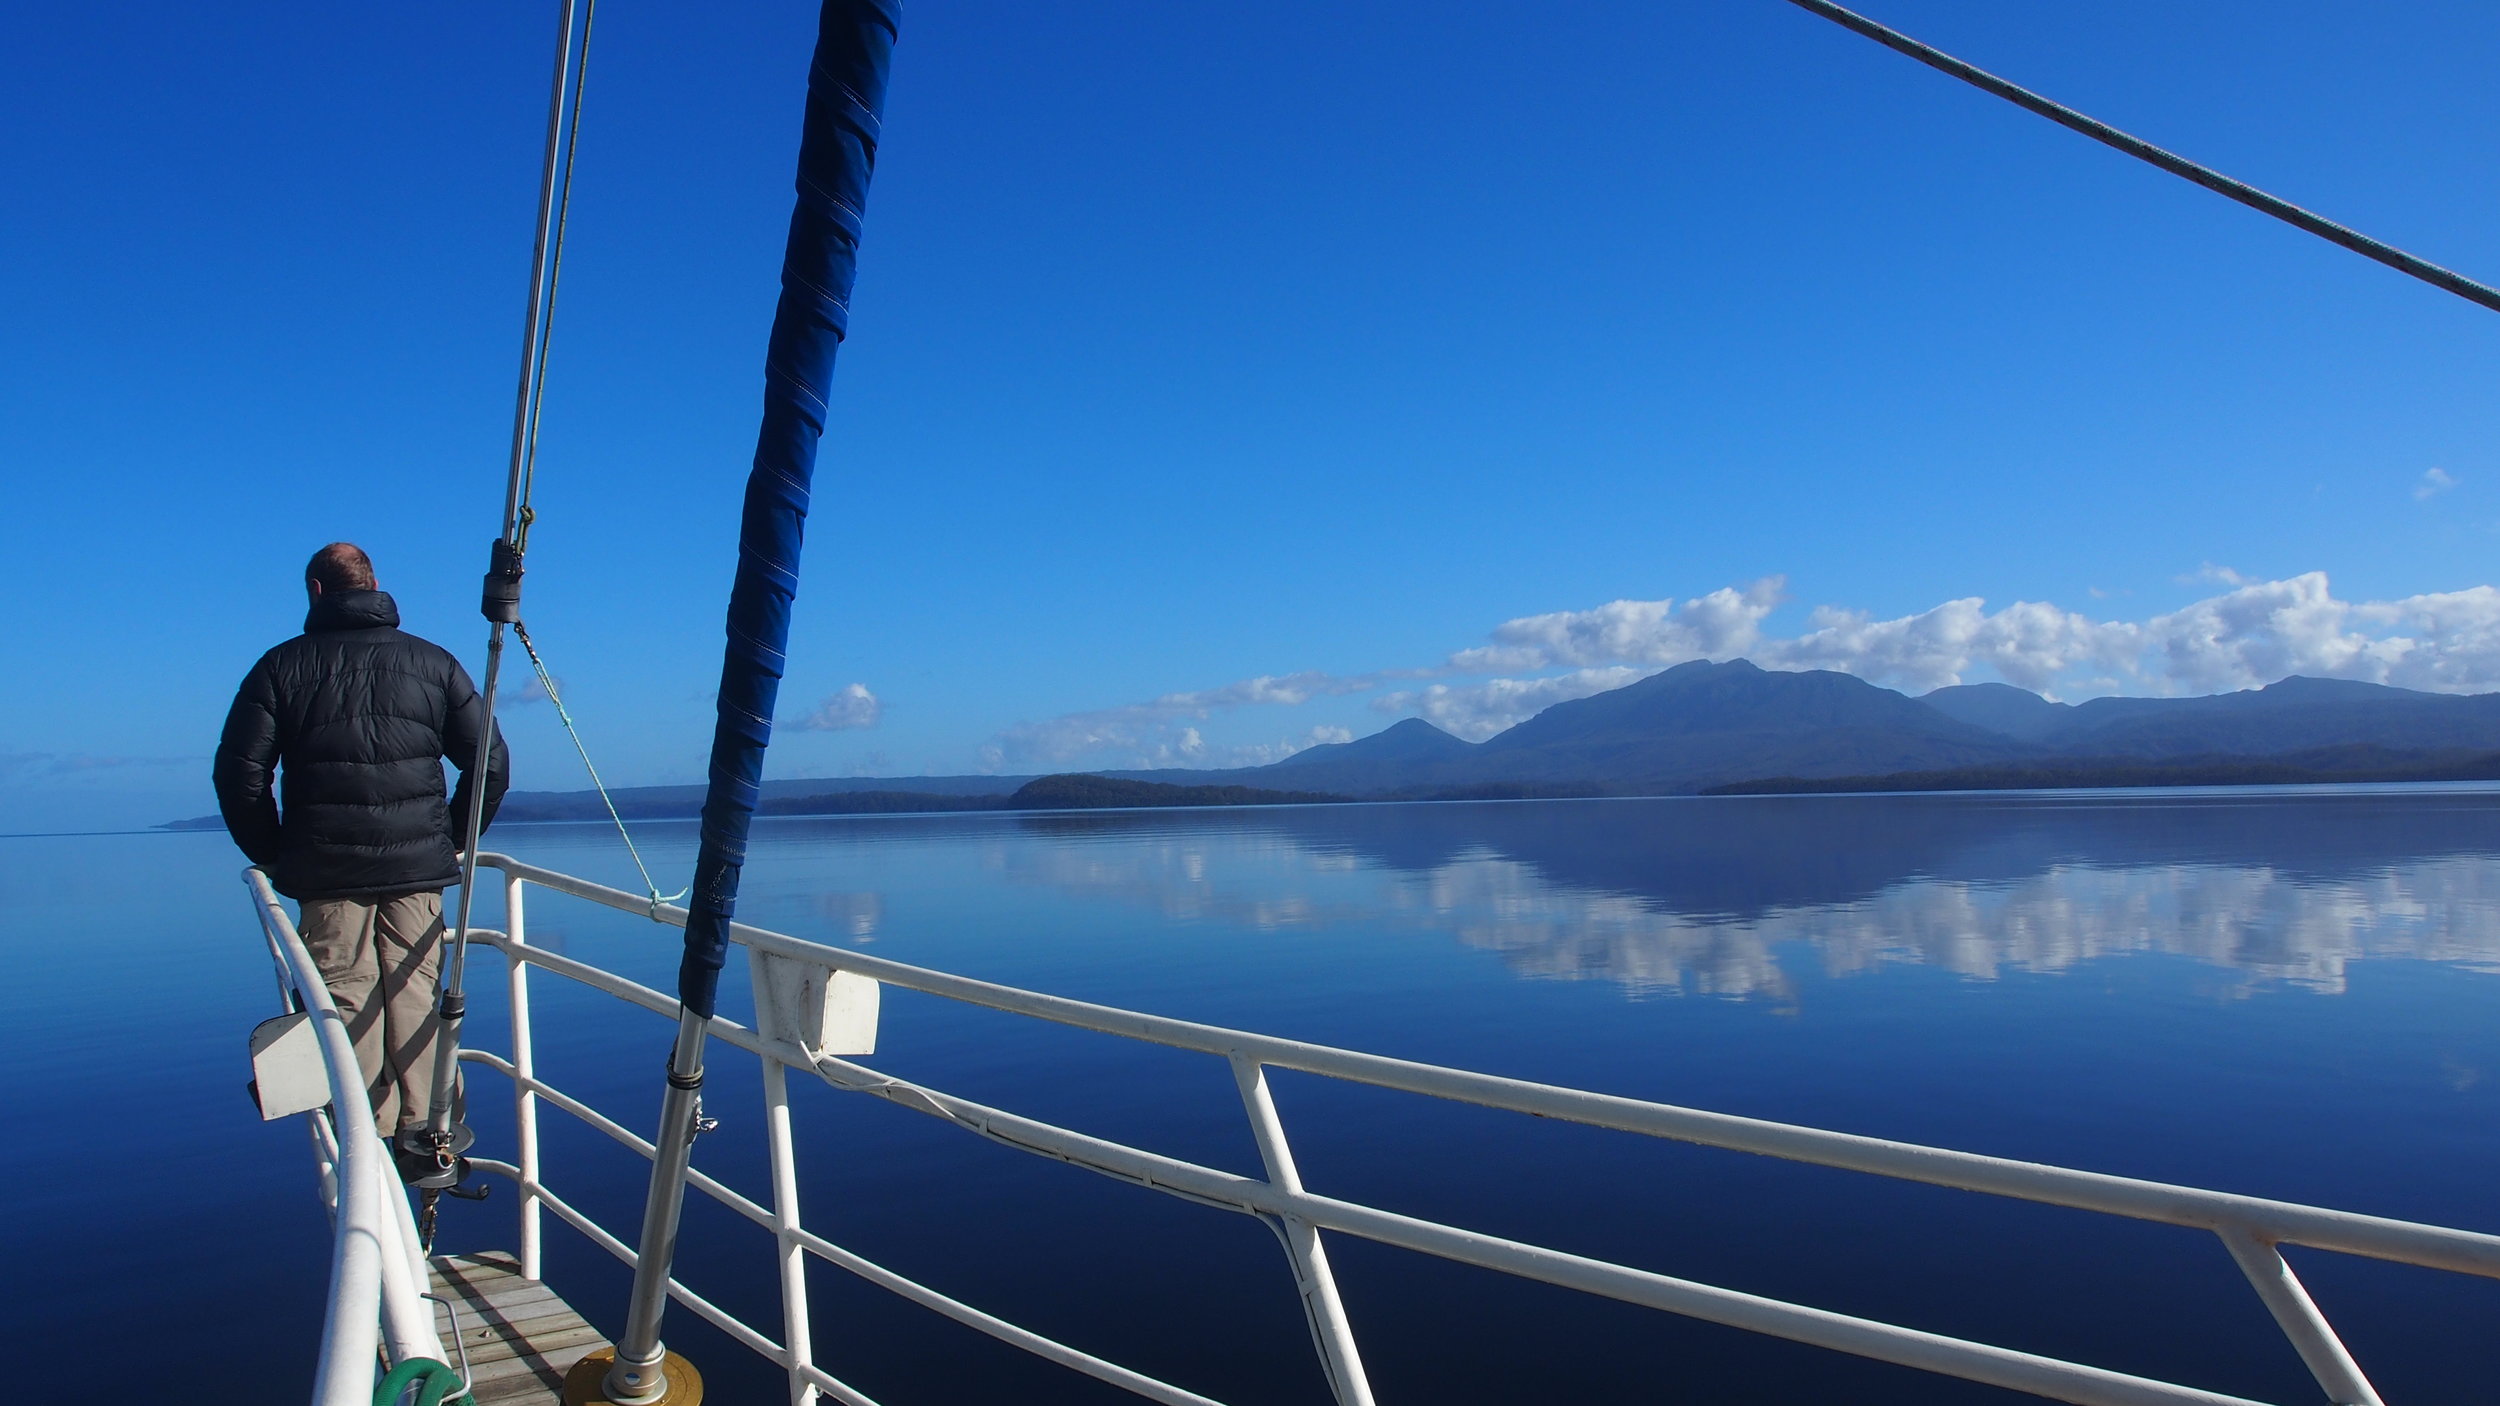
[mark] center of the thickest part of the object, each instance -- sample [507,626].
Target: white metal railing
[2250,1228]
[376,1307]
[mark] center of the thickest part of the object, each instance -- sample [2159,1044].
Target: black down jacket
[361,716]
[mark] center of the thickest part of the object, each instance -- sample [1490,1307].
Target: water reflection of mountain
[1712,895]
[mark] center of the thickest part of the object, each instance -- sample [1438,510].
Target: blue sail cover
[845,105]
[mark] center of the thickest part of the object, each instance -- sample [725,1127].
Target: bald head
[341,566]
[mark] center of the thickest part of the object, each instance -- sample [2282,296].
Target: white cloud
[2432,483]
[1720,625]
[851,706]
[2452,639]
[1261,753]
[2210,574]
[2263,631]
[1188,747]
[2027,643]
[1158,732]
[2247,637]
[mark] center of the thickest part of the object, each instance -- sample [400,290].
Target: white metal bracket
[806,1004]
[287,1074]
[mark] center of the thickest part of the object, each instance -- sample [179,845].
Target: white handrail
[2250,1227]
[377,1272]
[2375,1237]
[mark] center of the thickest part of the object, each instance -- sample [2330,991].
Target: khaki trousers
[380,956]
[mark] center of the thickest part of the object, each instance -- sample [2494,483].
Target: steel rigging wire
[523,515]
[2145,151]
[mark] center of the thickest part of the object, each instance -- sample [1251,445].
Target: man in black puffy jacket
[351,721]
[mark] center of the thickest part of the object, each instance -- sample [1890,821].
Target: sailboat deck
[520,1337]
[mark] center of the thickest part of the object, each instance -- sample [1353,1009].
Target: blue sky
[1373,350]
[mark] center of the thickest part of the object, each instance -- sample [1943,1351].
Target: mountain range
[1704,726]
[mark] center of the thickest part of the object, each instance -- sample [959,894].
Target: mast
[837,149]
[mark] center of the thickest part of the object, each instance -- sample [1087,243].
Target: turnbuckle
[431,1161]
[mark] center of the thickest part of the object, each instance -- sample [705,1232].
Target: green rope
[547,681]
[435,1381]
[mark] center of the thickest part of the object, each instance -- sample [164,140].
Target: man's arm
[466,716]
[247,766]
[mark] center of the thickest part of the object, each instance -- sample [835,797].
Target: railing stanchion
[786,1227]
[2297,1314]
[1331,1334]
[524,1071]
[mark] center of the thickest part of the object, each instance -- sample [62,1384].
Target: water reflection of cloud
[2275,926]
[1257,881]
[855,915]
[2271,926]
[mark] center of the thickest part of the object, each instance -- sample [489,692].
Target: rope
[547,681]
[525,514]
[435,1382]
[2142,150]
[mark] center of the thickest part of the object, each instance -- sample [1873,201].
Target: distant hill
[2293,715]
[866,803]
[1410,742]
[1701,723]
[1068,791]
[1389,760]
[795,796]
[2325,766]
[2000,707]
[1083,791]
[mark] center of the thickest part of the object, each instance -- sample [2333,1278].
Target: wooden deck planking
[520,1336]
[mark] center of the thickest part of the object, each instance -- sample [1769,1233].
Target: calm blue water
[2288,995]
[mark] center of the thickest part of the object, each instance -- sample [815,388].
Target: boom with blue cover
[837,150]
